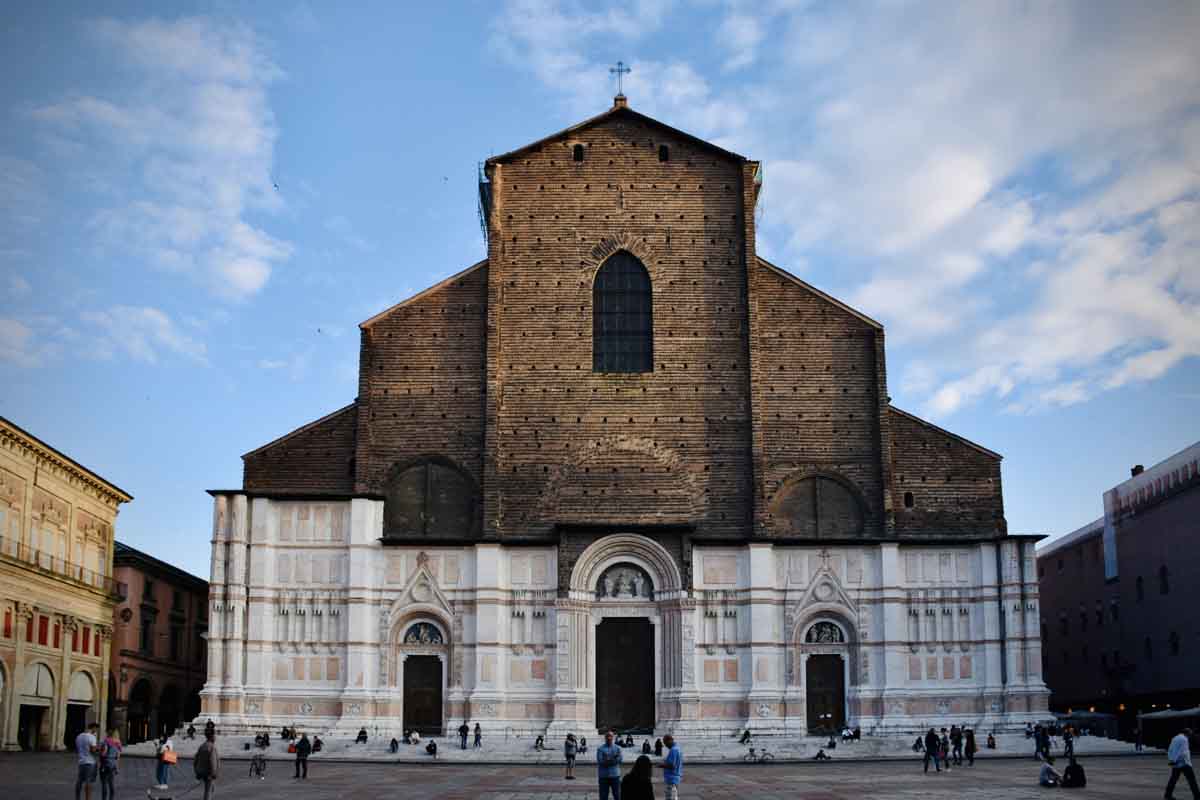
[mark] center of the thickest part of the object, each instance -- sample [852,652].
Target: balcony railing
[15,551]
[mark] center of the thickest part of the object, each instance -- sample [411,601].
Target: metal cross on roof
[620,70]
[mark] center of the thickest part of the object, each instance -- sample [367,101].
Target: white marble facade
[310,614]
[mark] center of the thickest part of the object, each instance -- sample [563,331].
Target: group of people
[637,784]
[950,747]
[464,731]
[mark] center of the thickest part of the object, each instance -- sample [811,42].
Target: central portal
[625,675]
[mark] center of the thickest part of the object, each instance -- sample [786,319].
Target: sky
[199,202]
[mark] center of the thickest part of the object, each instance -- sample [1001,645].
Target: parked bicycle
[758,757]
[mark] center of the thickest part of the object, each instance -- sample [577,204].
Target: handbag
[291,748]
[170,757]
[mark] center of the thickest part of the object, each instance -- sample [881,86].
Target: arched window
[664,153]
[577,152]
[429,498]
[1164,582]
[622,316]
[1140,586]
[817,507]
[908,500]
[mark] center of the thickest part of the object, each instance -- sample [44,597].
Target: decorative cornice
[28,446]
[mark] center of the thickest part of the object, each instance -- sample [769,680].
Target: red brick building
[158,650]
[1121,598]
[621,432]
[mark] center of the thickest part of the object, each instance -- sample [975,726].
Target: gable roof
[619,109]
[423,293]
[943,431]
[302,429]
[783,273]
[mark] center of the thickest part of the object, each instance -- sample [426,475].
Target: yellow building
[57,593]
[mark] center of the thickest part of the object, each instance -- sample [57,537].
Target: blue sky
[200,201]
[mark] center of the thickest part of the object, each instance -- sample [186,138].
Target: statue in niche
[423,633]
[824,633]
[624,582]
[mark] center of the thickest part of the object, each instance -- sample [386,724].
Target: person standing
[637,784]
[672,767]
[463,730]
[956,744]
[478,736]
[1068,743]
[303,749]
[110,755]
[166,757]
[931,750]
[207,764]
[970,746]
[569,751]
[608,768]
[1179,756]
[85,750]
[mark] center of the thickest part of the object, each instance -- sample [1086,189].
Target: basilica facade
[621,473]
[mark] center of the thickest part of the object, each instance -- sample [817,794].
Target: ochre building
[56,592]
[622,472]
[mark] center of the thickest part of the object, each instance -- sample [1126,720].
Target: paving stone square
[45,775]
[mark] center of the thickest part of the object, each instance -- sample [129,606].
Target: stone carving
[824,633]
[624,582]
[486,709]
[423,633]
[252,707]
[355,709]
[306,708]
[764,710]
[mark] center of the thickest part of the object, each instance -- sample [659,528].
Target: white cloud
[191,141]
[1013,190]
[16,344]
[141,333]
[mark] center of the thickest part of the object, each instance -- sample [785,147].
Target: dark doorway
[30,722]
[140,709]
[423,694]
[168,711]
[825,686]
[76,722]
[625,675]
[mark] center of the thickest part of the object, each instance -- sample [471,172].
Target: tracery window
[622,316]
[824,633]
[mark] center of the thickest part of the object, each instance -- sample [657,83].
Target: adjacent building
[57,592]
[158,648]
[1120,622]
[622,472]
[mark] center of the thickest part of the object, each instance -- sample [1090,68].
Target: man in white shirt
[1179,755]
[85,750]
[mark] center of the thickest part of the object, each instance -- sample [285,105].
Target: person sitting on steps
[362,736]
[539,743]
[431,748]
[745,737]
[821,756]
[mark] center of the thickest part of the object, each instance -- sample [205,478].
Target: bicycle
[258,766]
[756,757]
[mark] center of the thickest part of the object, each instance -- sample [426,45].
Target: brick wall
[955,484]
[421,381]
[317,458]
[682,429]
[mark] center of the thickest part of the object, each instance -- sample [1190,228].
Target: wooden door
[625,675]
[825,688]
[423,694]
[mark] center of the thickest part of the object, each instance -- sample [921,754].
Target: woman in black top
[636,785]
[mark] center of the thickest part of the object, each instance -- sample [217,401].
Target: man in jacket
[303,748]
[932,746]
[463,731]
[1179,755]
[608,768]
[207,764]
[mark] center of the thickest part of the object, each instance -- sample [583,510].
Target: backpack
[202,763]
